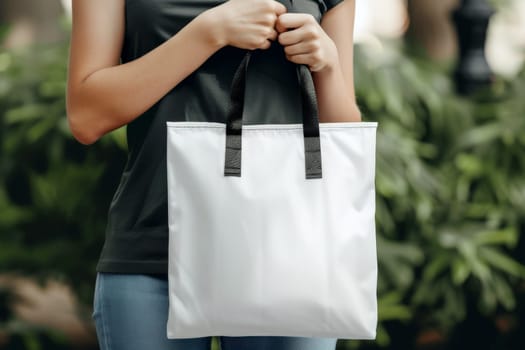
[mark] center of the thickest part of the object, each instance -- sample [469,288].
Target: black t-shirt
[137,229]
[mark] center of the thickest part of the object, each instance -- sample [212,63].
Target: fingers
[265,45]
[280,27]
[306,59]
[301,48]
[265,41]
[303,39]
[293,36]
[279,8]
[293,20]
[273,36]
[296,27]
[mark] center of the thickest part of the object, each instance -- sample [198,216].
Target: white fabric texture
[270,252]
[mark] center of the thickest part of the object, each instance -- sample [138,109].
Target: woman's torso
[137,230]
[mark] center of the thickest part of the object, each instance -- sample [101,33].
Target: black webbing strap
[312,144]
[232,160]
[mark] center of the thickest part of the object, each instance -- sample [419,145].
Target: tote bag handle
[312,144]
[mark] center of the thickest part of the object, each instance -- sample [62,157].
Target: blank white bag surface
[270,252]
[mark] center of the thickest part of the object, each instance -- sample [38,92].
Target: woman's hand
[305,41]
[247,24]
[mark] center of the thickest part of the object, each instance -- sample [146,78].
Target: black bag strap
[312,145]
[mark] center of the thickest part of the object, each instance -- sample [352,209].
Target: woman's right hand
[247,24]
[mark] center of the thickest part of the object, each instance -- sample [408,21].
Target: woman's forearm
[335,103]
[112,97]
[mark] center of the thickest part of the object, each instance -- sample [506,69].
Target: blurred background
[446,81]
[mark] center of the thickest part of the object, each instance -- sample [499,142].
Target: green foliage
[54,192]
[451,191]
[450,205]
[53,203]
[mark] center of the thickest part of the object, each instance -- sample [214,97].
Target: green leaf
[25,113]
[469,164]
[382,337]
[436,266]
[480,135]
[502,262]
[504,293]
[507,236]
[460,271]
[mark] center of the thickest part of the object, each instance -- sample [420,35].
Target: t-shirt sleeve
[331,3]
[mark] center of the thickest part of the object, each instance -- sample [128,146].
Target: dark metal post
[472,20]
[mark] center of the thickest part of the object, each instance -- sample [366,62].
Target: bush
[54,192]
[451,195]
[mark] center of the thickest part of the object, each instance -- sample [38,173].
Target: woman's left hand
[305,41]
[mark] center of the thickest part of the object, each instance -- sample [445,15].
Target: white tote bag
[271,227]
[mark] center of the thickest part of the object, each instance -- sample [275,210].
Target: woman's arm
[335,85]
[328,50]
[103,95]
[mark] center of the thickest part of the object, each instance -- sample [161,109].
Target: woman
[141,63]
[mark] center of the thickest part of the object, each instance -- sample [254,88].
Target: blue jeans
[131,312]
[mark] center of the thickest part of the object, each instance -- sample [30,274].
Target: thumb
[279,26]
